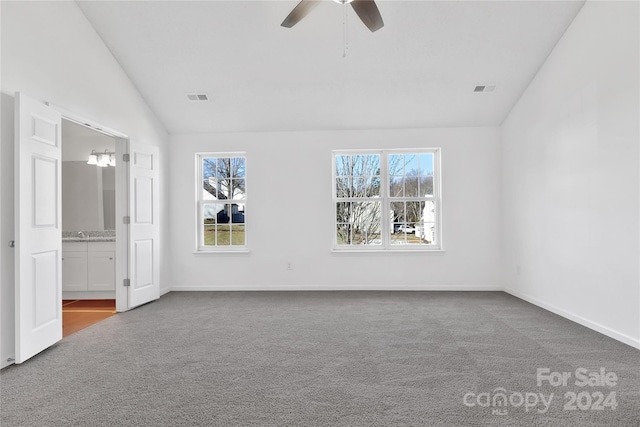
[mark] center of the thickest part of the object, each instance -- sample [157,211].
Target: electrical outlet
[289,265]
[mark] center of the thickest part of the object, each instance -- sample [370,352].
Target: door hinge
[126,283]
[126,219]
[126,157]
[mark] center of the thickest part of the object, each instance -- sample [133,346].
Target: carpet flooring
[328,359]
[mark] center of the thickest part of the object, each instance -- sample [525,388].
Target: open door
[38,229]
[144,231]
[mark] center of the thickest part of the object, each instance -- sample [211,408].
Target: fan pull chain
[345,32]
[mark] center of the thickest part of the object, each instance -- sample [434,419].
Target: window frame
[200,247]
[386,200]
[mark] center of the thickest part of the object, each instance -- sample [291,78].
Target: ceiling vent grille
[197,97]
[484,88]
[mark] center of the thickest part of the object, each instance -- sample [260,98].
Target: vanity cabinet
[74,266]
[88,266]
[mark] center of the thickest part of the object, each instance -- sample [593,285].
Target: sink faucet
[81,234]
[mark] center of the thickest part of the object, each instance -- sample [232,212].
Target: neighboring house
[426,229]
[211,191]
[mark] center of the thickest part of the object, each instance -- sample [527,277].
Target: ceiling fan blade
[368,13]
[300,11]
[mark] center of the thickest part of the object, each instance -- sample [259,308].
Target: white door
[144,231]
[38,231]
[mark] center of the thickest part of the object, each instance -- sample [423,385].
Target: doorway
[38,225]
[89,238]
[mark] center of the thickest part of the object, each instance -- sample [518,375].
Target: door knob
[12,243]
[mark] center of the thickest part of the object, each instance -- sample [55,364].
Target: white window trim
[386,246]
[200,248]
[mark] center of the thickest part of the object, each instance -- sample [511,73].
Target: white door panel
[144,229]
[37,227]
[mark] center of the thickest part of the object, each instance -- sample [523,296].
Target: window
[222,201]
[387,200]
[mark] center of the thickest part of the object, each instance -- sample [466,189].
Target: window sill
[223,252]
[389,251]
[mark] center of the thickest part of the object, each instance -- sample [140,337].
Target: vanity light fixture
[102,159]
[93,158]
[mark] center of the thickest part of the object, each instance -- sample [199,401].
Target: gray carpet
[322,359]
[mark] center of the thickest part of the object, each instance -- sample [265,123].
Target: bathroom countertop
[89,239]
[89,236]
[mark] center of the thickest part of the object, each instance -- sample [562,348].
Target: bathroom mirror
[88,190]
[88,197]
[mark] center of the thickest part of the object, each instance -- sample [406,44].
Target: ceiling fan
[366,10]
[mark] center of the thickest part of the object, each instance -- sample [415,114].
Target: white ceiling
[418,71]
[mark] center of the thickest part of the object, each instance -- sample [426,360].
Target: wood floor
[80,314]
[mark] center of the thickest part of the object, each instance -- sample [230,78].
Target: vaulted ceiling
[418,71]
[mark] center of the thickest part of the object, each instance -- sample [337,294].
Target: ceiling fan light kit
[367,11]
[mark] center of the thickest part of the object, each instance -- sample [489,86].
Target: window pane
[359,188]
[358,223]
[223,235]
[429,212]
[426,164]
[215,212]
[429,235]
[407,220]
[208,168]
[411,164]
[343,165]
[372,184]
[359,165]
[236,213]
[426,186]
[396,164]
[396,186]
[343,234]
[343,212]
[412,233]
[372,162]
[411,185]
[209,238]
[237,235]
[238,189]
[223,168]
[343,187]
[414,211]
[238,167]
[398,238]
[398,212]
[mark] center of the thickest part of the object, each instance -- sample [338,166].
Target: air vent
[484,88]
[197,97]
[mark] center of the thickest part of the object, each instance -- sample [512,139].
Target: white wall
[289,176]
[570,162]
[52,53]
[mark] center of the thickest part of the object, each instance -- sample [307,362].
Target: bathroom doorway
[89,239]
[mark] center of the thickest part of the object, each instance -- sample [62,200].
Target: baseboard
[225,288]
[164,291]
[4,362]
[626,339]
[88,295]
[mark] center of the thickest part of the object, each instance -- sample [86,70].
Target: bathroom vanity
[88,267]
